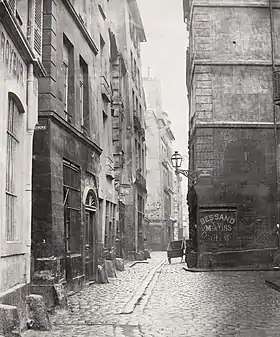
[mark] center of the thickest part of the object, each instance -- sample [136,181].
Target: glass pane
[10,217]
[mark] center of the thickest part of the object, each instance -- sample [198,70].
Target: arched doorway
[90,203]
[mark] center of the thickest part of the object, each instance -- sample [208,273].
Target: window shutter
[38,23]
[277,84]
[12,4]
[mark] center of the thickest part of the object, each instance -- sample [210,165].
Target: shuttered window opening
[12,4]
[277,84]
[38,23]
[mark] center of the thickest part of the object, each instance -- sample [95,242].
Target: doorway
[90,235]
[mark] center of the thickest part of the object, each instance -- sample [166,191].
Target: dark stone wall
[242,177]
[42,233]
[48,241]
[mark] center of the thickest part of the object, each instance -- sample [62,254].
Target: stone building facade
[89,145]
[69,193]
[20,67]
[131,182]
[160,208]
[232,130]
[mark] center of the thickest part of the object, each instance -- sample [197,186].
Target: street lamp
[176,160]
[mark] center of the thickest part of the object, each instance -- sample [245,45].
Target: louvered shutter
[277,84]
[38,23]
[12,4]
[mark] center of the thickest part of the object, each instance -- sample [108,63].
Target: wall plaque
[217,225]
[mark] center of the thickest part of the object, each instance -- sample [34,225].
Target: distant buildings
[160,209]
[233,131]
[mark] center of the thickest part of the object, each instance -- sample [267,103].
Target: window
[82,97]
[102,56]
[68,78]
[105,133]
[107,225]
[12,4]
[38,23]
[72,206]
[139,156]
[131,62]
[13,142]
[65,77]
[140,112]
[134,71]
[137,106]
[138,79]
[136,153]
[110,225]
[143,160]
[140,220]
[133,101]
[84,106]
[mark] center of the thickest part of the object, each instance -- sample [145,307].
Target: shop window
[14,127]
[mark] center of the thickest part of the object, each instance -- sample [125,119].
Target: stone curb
[130,305]
[198,270]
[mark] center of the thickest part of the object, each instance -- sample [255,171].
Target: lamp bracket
[189,174]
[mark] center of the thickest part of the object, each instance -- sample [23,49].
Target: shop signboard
[217,225]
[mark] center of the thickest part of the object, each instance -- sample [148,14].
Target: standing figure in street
[183,247]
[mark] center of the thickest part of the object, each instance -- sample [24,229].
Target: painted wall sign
[217,225]
[205,172]
[10,57]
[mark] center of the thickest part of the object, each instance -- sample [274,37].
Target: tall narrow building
[232,137]
[67,232]
[131,183]
[160,174]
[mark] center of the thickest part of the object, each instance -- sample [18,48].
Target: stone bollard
[9,320]
[147,254]
[109,268]
[140,256]
[119,264]
[38,316]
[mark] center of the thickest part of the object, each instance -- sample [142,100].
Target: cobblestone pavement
[176,303]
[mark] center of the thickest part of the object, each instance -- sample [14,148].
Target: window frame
[12,185]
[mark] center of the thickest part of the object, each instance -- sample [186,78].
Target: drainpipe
[272,38]
[28,166]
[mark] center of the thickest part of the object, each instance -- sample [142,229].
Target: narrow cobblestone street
[175,303]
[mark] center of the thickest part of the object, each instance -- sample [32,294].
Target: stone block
[38,316]
[47,292]
[119,264]
[109,268]
[9,320]
[101,275]
[140,256]
[203,99]
[147,254]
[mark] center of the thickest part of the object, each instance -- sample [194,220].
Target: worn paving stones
[177,303]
